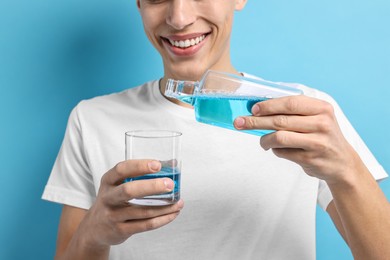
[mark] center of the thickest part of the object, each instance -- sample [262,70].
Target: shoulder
[99,109]
[118,100]
[119,97]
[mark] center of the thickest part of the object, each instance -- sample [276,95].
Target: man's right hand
[111,219]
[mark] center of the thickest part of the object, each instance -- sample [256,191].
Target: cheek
[224,28]
[222,18]
[150,25]
[152,17]
[148,21]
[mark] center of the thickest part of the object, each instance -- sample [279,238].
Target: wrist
[83,248]
[89,243]
[354,175]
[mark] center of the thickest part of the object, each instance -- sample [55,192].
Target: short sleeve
[377,171]
[70,181]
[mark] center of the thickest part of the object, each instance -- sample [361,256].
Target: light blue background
[55,53]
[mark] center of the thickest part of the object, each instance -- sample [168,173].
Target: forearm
[365,214]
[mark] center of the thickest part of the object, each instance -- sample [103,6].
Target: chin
[190,72]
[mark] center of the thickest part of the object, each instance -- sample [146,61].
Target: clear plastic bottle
[219,97]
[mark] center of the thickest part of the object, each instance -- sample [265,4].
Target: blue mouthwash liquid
[221,110]
[160,199]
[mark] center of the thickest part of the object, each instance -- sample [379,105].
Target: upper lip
[183,37]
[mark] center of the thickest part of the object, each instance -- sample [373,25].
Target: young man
[242,202]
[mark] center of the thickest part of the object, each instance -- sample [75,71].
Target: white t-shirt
[241,202]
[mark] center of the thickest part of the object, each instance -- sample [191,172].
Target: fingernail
[239,122]
[154,165]
[255,109]
[168,184]
[180,203]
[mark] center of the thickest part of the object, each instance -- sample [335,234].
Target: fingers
[135,212]
[304,149]
[137,189]
[137,226]
[307,133]
[291,105]
[307,124]
[287,139]
[130,168]
[126,221]
[117,219]
[297,113]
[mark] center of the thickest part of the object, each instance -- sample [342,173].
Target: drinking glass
[161,145]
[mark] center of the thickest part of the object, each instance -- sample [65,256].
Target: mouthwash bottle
[219,97]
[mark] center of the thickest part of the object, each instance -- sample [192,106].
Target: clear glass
[160,145]
[219,97]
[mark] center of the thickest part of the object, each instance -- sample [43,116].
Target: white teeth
[187,43]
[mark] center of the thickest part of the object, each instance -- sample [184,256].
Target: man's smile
[188,42]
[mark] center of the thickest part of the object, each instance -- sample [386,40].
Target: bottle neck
[181,90]
[163,86]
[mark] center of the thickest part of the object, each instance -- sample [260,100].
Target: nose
[181,13]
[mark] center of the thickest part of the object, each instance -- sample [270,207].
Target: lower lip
[183,52]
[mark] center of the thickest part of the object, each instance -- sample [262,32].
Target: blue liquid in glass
[221,110]
[169,197]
